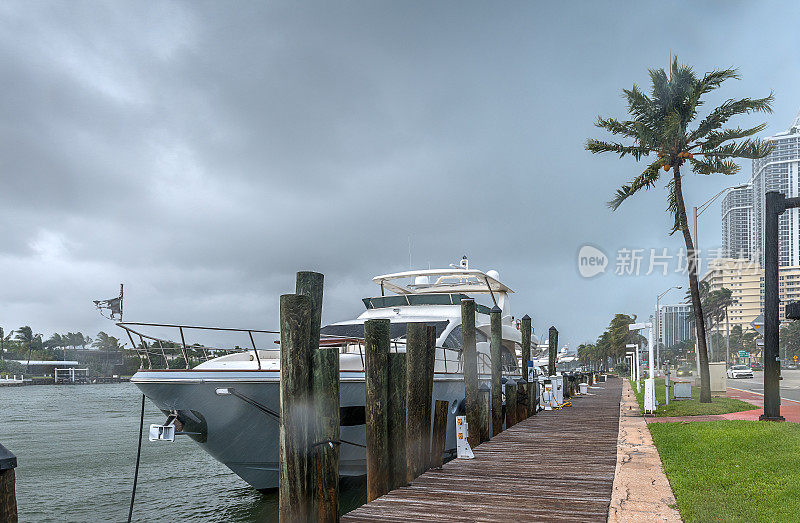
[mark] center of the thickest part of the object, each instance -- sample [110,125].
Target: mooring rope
[138,457]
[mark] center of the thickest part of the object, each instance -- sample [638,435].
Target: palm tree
[659,125]
[3,340]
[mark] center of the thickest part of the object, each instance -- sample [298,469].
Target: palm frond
[646,180]
[750,149]
[711,165]
[640,106]
[728,109]
[716,138]
[626,128]
[598,146]
[672,208]
[714,79]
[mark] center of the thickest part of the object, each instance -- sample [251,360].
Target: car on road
[757,366]
[684,371]
[740,371]
[789,366]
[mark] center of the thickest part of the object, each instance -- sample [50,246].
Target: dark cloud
[204,152]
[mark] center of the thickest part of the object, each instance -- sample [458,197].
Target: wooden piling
[495,353]
[470,363]
[511,403]
[429,368]
[8,495]
[376,362]
[439,433]
[533,398]
[397,420]
[324,429]
[526,330]
[416,393]
[325,391]
[553,346]
[295,499]
[522,400]
[484,427]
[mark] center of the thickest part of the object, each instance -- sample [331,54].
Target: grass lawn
[732,470]
[690,407]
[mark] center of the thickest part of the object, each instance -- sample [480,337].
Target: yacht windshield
[397,330]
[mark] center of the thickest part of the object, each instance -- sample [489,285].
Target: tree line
[609,350]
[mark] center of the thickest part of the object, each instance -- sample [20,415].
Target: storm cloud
[203,152]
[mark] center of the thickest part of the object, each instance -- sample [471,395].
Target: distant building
[737,226]
[778,171]
[745,279]
[675,324]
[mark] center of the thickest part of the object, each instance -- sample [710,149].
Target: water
[76,448]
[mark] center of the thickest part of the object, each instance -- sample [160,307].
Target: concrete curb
[641,490]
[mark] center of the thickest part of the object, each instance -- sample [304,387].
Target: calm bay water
[76,447]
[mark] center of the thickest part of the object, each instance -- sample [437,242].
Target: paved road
[790,385]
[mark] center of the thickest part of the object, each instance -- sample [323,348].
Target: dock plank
[555,466]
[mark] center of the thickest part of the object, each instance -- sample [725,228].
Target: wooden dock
[555,466]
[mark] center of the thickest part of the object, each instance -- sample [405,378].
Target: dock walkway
[555,466]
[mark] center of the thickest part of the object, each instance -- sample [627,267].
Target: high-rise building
[675,324]
[745,279]
[737,216]
[778,171]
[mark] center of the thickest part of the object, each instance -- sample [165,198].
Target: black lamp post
[776,204]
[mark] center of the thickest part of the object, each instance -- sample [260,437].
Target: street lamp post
[658,323]
[698,210]
[635,357]
[650,383]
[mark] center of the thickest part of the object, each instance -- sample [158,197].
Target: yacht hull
[244,437]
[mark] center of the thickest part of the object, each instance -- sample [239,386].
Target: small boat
[230,403]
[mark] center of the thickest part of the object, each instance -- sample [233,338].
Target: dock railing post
[324,470]
[553,346]
[511,403]
[295,499]
[376,362]
[8,496]
[439,433]
[497,385]
[416,393]
[397,420]
[470,357]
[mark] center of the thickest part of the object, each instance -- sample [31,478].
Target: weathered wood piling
[8,496]
[522,400]
[526,331]
[417,426]
[495,345]
[511,403]
[376,363]
[552,341]
[439,433]
[324,473]
[470,362]
[295,499]
[484,427]
[429,369]
[396,420]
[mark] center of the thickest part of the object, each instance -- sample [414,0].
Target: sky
[203,152]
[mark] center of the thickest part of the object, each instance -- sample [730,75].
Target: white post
[638,369]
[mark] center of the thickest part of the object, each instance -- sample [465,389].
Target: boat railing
[165,349]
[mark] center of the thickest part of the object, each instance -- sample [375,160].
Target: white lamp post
[649,383]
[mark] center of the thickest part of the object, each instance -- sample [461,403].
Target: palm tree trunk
[705,377]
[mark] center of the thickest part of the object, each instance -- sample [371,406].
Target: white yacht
[230,404]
